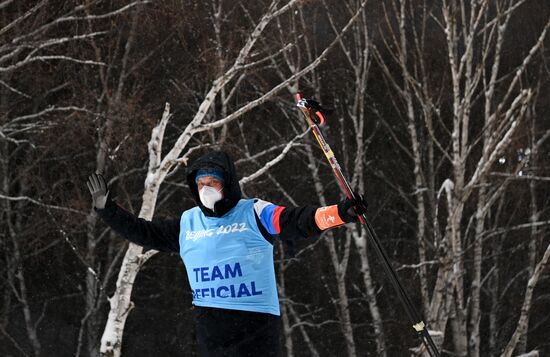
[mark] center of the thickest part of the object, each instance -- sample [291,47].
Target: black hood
[231,189]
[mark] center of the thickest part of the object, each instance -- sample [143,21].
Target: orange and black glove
[344,212]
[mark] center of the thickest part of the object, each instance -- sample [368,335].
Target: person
[226,244]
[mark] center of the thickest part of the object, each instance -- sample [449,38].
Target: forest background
[438,116]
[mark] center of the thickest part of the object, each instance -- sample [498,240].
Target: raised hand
[98,188]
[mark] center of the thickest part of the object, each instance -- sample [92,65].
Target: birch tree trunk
[524,315]
[287,331]
[21,289]
[109,102]
[339,265]
[120,302]
[535,215]
[358,57]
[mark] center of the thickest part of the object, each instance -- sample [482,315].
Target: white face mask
[209,196]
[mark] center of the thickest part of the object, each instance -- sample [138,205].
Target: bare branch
[21,18]
[13,341]
[272,162]
[502,230]
[48,110]
[14,90]
[282,85]
[68,18]
[520,177]
[32,200]
[48,58]
[5,3]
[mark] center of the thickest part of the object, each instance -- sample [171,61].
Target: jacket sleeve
[161,235]
[296,222]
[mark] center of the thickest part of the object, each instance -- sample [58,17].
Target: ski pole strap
[314,107]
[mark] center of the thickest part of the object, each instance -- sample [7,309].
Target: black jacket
[163,234]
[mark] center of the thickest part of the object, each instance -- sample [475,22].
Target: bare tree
[474,35]
[439,118]
[37,39]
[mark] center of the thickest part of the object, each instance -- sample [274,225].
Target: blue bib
[229,263]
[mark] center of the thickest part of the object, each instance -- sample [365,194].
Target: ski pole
[315,118]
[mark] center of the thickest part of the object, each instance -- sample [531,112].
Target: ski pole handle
[307,110]
[313,107]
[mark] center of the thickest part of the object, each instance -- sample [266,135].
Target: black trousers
[234,333]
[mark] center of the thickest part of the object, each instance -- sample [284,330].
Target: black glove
[348,210]
[98,188]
